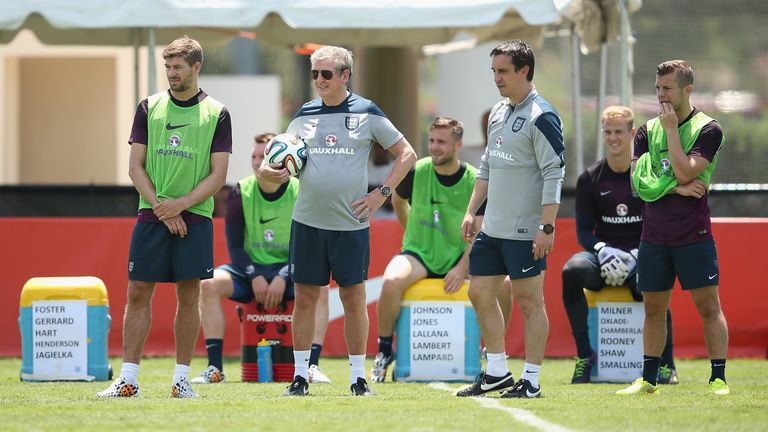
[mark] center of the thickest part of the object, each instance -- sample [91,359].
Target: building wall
[67,120]
[66,111]
[252,101]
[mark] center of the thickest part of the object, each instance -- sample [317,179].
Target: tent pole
[151,65]
[576,86]
[136,90]
[376,65]
[601,99]
[624,62]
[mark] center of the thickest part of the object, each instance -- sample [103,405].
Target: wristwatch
[547,228]
[385,190]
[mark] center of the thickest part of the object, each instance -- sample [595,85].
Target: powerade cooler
[438,338]
[64,323]
[274,325]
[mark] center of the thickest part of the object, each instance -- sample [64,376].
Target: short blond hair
[185,47]
[619,112]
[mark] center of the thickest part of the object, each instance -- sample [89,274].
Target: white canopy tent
[371,23]
[364,22]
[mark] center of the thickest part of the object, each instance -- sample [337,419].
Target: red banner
[99,247]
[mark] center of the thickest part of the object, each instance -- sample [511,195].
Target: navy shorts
[430,273]
[156,255]
[491,256]
[695,265]
[243,291]
[316,253]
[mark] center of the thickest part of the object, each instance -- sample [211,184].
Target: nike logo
[718,365]
[528,269]
[604,193]
[208,346]
[712,277]
[209,270]
[486,387]
[436,202]
[263,221]
[532,395]
[530,372]
[169,126]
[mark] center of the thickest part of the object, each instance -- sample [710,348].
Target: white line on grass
[519,414]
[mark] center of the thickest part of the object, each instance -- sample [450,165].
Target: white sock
[531,373]
[356,367]
[301,363]
[181,371]
[130,373]
[497,364]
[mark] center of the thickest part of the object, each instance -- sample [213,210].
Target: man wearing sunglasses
[330,232]
[257,227]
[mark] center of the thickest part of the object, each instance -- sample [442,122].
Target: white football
[289,151]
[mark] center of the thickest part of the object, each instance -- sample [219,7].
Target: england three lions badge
[518,124]
[351,122]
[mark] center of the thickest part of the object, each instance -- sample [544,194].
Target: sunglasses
[326,74]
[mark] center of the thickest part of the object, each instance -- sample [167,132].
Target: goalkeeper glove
[630,263]
[612,267]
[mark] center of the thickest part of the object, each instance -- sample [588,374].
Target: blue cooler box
[438,338]
[63,289]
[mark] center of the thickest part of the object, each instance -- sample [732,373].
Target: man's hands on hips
[363,209]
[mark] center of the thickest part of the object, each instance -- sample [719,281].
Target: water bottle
[264,362]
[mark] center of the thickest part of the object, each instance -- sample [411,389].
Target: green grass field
[238,406]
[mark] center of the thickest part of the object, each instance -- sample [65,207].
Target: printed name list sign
[620,341]
[437,339]
[59,335]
